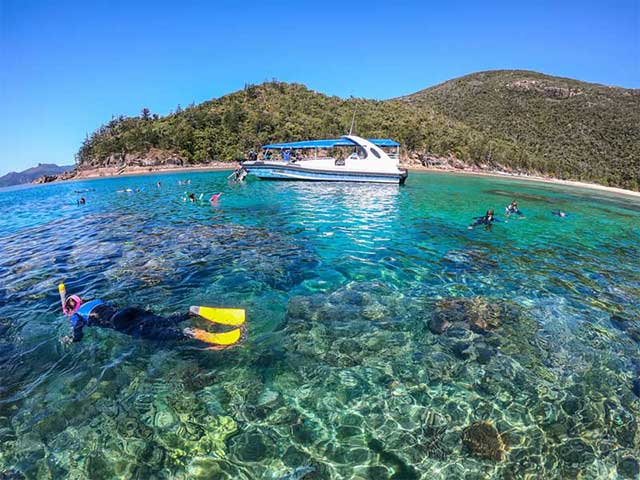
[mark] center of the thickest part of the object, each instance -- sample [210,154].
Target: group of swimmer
[144,324]
[512,209]
[188,196]
[192,198]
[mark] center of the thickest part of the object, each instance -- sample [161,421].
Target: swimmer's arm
[77,324]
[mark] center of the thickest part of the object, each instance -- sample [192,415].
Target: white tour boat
[368,162]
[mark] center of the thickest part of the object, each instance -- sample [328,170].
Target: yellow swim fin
[226,338]
[224,316]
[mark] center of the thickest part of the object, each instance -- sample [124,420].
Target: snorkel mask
[63,300]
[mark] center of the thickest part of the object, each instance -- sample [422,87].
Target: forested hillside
[570,129]
[518,121]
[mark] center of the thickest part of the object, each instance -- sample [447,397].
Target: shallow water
[340,371]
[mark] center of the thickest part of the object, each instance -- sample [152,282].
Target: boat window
[375,152]
[362,153]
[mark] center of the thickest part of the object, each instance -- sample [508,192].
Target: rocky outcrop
[155,157]
[548,90]
[54,178]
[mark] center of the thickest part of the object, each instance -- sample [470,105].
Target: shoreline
[527,178]
[112,172]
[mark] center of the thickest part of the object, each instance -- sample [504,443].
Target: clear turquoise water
[340,282]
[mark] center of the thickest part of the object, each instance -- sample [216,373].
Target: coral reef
[484,441]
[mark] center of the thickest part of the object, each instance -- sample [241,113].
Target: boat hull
[294,172]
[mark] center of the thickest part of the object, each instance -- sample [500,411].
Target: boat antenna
[353,120]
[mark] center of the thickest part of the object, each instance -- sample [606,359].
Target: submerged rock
[475,313]
[252,446]
[471,259]
[628,467]
[626,325]
[484,441]
[402,469]
[575,455]
[11,475]
[299,473]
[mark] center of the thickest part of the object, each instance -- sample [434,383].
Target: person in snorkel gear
[513,208]
[141,323]
[487,219]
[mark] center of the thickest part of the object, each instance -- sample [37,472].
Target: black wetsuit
[485,220]
[132,321]
[511,210]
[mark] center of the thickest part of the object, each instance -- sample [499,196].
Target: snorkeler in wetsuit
[559,213]
[513,208]
[487,220]
[141,323]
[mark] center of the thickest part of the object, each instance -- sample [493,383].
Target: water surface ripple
[341,372]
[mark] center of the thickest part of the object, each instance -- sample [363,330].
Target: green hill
[569,129]
[519,121]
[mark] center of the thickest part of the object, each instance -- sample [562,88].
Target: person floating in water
[513,208]
[215,198]
[81,201]
[192,197]
[137,322]
[488,219]
[158,184]
[559,213]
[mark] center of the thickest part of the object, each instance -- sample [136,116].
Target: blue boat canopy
[336,142]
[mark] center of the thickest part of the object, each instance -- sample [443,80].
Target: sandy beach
[530,178]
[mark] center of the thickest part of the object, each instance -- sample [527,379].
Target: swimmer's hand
[189,332]
[67,340]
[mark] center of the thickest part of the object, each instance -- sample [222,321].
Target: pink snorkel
[63,301]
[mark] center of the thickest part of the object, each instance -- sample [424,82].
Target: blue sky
[67,67]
